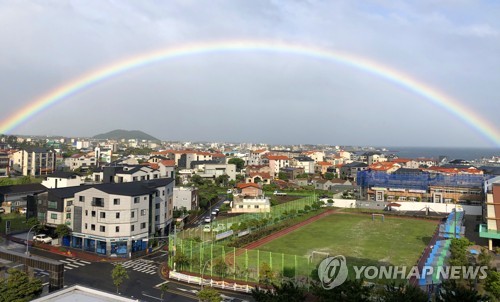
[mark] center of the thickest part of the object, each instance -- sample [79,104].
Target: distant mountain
[126,134]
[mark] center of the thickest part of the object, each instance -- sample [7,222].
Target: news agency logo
[332,271]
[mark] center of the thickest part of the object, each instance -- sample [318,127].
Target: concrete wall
[406,206]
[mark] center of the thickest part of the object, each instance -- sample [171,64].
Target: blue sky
[255,97]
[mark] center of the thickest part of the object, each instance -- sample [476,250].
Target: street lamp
[202,271]
[27,238]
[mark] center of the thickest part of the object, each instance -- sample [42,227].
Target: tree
[484,258]
[329,175]
[197,180]
[266,274]
[406,292]
[119,274]
[286,292]
[181,260]
[451,291]
[458,250]
[208,294]
[19,287]
[62,230]
[163,289]
[36,225]
[283,176]
[222,180]
[492,284]
[220,267]
[349,291]
[238,162]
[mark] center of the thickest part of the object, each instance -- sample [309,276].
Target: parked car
[207,228]
[277,193]
[42,238]
[207,220]
[23,211]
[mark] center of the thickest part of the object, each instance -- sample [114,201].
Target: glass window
[143,225]
[117,229]
[116,201]
[53,216]
[117,215]
[102,228]
[132,228]
[92,227]
[143,212]
[136,199]
[102,214]
[132,214]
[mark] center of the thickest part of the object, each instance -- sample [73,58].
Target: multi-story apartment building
[113,219]
[34,162]
[255,157]
[79,161]
[491,229]
[125,173]
[185,198]
[277,162]
[4,164]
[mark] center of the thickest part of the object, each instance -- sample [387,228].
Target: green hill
[126,134]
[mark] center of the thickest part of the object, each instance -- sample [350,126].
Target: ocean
[450,153]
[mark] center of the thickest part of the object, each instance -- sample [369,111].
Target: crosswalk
[69,264]
[141,265]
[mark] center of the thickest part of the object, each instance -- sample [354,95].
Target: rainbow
[488,130]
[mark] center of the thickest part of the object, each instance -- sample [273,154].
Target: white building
[34,162]
[216,170]
[112,219]
[186,197]
[62,180]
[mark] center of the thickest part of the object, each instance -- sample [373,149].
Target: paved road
[143,283]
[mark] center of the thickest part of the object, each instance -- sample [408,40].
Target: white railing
[209,282]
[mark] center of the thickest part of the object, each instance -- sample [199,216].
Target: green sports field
[396,241]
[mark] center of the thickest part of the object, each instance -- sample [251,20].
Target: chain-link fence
[208,259]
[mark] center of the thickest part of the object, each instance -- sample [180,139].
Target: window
[136,199]
[143,212]
[116,201]
[92,227]
[143,225]
[102,214]
[53,216]
[157,218]
[132,228]
[86,212]
[157,193]
[145,198]
[117,229]
[70,203]
[68,216]
[98,202]
[93,213]
[162,192]
[86,225]
[256,206]
[157,206]
[117,215]
[132,214]
[81,198]
[52,205]
[102,228]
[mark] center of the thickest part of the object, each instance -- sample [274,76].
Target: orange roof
[168,162]
[470,170]
[246,185]
[259,151]
[277,157]
[151,165]
[401,160]
[218,155]
[382,166]
[324,163]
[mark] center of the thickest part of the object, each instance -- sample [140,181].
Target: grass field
[395,241]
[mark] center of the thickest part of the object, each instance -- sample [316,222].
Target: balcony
[485,233]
